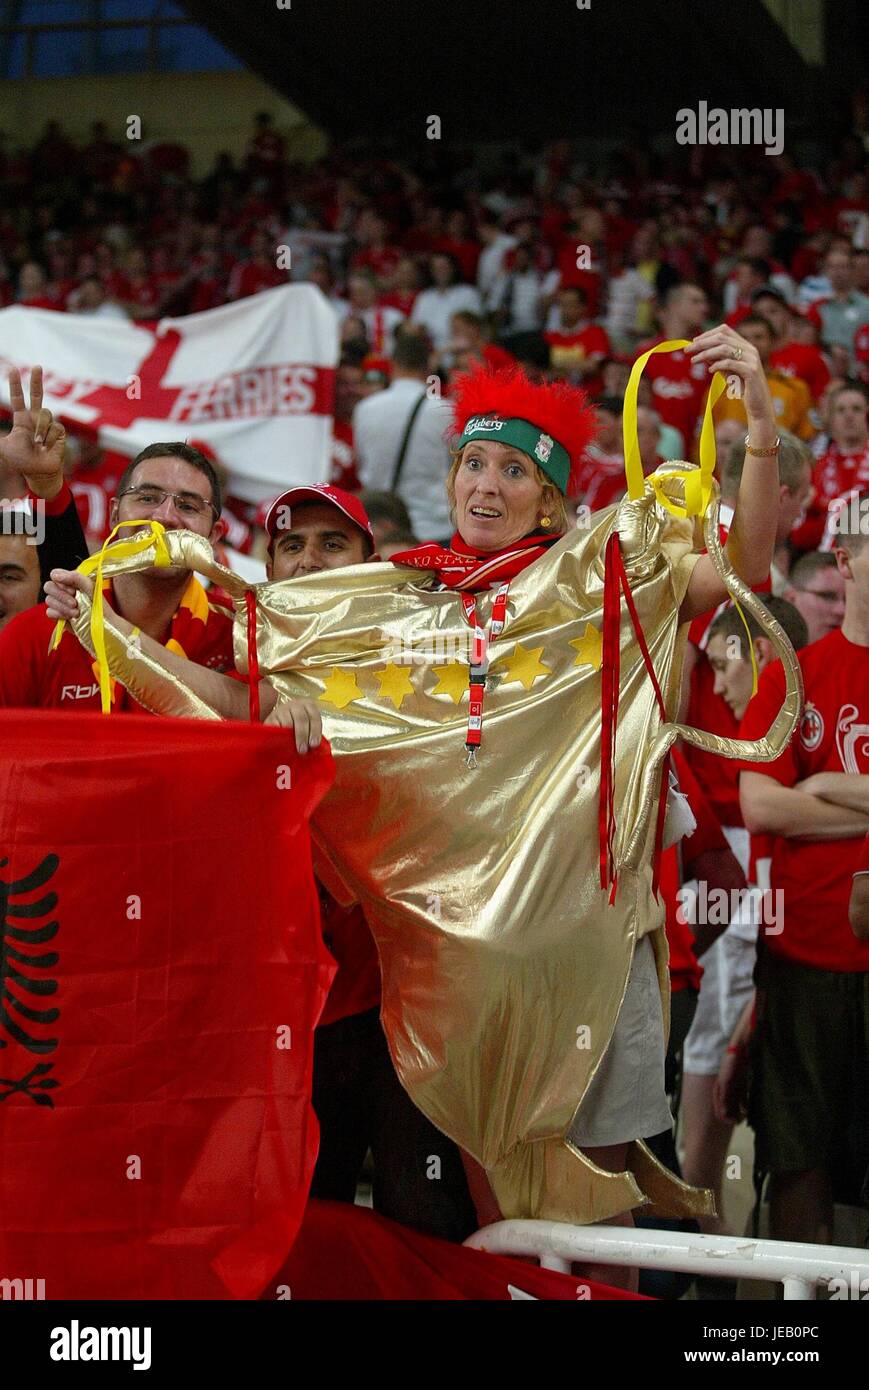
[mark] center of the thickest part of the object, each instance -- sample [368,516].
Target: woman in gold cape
[505,946]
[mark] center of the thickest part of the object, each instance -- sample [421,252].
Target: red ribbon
[252,658]
[615,584]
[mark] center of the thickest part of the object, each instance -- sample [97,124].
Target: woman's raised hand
[723,350]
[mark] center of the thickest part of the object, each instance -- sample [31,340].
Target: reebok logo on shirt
[78,692]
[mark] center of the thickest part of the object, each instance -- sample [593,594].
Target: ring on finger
[737,353]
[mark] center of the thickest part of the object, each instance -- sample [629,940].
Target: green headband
[521,434]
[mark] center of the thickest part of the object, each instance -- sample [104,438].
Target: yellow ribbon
[152,535]
[697,483]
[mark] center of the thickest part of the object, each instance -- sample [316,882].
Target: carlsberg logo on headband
[530,439]
[484,422]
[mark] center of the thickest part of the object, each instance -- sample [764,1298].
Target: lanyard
[479,663]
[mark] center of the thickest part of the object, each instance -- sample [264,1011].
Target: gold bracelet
[763,453]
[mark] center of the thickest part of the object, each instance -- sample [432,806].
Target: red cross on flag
[254,380]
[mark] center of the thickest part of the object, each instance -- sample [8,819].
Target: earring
[546,521]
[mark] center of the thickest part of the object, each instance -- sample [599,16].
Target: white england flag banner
[254,380]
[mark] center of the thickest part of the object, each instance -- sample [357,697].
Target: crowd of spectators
[530,256]
[573,274]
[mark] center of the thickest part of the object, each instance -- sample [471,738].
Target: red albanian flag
[345,1252]
[161,975]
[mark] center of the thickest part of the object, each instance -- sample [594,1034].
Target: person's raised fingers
[16,392]
[36,389]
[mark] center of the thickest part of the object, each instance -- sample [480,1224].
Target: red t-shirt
[815,876]
[573,276]
[863,861]
[679,387]
[249,278]
[836,474]
[356,987]
[599,479]
[804,361]
[207,293]
[32,677]
[742,311]
[93,490]
[568,349]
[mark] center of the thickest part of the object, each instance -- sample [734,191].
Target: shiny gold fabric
[504,967]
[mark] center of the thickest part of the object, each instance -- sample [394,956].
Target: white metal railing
[800,1268]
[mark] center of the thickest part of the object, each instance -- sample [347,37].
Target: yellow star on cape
[395,683]
[341,688]
[526,666]
[590,647]
[452,680]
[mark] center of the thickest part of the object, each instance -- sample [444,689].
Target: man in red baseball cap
[315,527]
[359,1101]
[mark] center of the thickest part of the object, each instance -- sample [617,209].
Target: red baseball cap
[318,492]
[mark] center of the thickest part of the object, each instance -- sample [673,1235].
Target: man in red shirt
[93,475]
[170,483]
[679,385]
[577,347]
[843,467]
[706,709]
[749,274]
[600,478]
[259,272]
[803,360]
[809,1101]
[374,254]
[816,588]
[357,1096]
[729,963]
[468,344]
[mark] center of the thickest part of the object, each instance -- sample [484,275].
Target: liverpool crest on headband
[543,447]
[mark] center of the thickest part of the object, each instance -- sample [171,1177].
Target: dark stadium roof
[502,69]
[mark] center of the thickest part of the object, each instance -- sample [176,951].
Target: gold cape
[504,966]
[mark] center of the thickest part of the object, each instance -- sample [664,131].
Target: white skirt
[626,1099]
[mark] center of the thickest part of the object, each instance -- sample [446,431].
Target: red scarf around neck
[467,567]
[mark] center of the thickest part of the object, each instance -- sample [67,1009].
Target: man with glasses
[817,589]
[170,483]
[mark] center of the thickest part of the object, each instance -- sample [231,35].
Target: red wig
[555,407]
